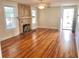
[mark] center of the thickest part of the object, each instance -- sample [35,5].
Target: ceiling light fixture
[42,5]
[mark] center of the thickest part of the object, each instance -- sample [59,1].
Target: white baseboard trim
[49,27]
[7,37]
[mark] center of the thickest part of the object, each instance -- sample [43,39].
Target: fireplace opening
[26,27]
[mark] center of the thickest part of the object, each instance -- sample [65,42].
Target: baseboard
[7,37]
[48,27]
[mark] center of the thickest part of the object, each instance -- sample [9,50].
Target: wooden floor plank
[41,43]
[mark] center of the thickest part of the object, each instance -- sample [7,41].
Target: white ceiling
[51,2]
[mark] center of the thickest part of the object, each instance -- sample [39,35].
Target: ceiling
[51,2]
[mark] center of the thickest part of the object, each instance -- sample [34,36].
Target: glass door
[67,17]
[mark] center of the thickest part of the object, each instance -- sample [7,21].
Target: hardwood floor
[0,51]
[41,43]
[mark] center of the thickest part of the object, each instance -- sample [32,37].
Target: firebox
[26,27]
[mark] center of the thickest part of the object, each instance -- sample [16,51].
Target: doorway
[68,21]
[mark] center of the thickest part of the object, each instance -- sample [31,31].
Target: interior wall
[77,32]
[49,18]
[7,33]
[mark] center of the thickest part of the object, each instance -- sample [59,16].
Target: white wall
[49,18]
[4,33]
[77,32]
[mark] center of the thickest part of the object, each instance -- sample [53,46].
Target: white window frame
[12,27]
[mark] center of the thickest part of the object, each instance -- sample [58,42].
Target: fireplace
[26,27]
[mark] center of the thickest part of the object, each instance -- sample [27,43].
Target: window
[9,17]
[34,16]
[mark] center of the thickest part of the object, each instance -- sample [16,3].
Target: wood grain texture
[0,51]
[41,43]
